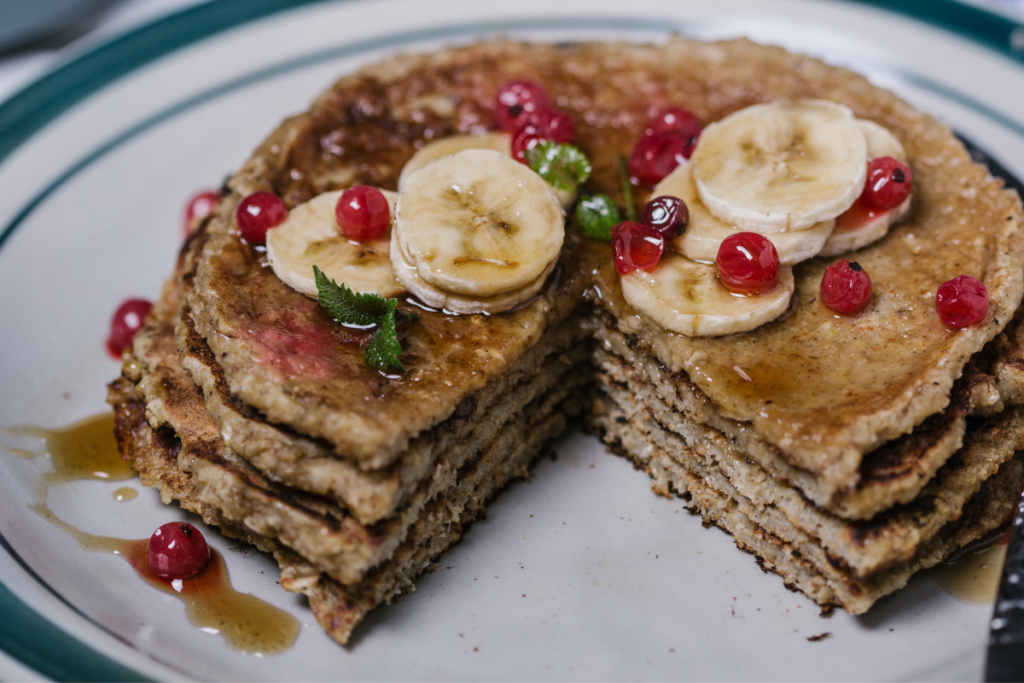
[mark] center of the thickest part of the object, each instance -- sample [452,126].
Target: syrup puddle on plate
[88,450]
[972,573]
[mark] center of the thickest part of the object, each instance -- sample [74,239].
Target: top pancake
[824,388]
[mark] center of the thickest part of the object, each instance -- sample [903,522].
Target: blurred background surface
[37,35]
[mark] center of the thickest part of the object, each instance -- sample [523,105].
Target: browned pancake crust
[834,387]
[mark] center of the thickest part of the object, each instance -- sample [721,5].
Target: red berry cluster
[363,213]
[177,550]
[257,213]
[962,301]
[888,184]
[127,320]
[524,109]
[200,206]
[668,141]
[639,246]
[845,287]
[748,263]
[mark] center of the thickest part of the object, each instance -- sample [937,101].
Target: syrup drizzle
[972,573]
[88,450]
[124,494]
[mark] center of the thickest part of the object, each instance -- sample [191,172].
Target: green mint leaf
[597,215]
[346,306]
[564,167]
[627,188]
[384,349]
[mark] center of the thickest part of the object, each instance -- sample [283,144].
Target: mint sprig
[366,310]
[597,215]
[383,350]
[564,167]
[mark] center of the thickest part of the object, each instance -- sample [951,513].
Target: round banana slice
[705,233]
[497,142]
[459,303]
[781,166]
[309,237]
[858,227]
[687,297]
[477,223]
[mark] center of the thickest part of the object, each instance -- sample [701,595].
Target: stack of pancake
[845,452]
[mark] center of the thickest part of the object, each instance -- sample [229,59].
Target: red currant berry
[127,320]
[552,124]
[676,120]
[888,184]
[363,213]
[668,215]
[962,301]
[748,263]
[258,213]
[524,140]
[200,206]
[177,551]
[845,287]
[637,246]
[518,98]
[655,155]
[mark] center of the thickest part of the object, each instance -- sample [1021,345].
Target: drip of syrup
[856,217]
[124,494]
[972,573]
[87,450]
[84,450]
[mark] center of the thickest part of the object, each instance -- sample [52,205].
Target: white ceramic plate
[580,572]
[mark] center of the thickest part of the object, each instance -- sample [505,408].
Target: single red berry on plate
[668,215]
[363,213]
[888,185]
[637,246]
[518,98]
[200,206]
[748,263]
[127,320]
[552,124]
[258,213]
[962,301]
[177,551]
[845,287]
[655,155]
[676,120]
[527,138]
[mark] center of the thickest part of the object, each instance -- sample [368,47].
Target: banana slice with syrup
[497,142]
[858,226]
[688,297]
[475,231]
[704,233]
[781,166]
[310,236]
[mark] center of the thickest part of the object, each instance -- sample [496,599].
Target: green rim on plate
[24,634]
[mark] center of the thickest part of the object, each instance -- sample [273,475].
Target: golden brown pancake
[857,444]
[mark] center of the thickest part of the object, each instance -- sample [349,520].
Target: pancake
[846,452]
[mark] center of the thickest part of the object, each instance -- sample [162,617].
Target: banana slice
[309,236]
[459,303]
[497,142]
[858,227]
[476,223]
[781,166]
[687,297]
[705,233]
